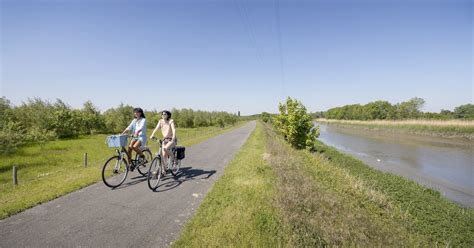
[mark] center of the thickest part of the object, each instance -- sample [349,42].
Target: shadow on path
[185,174]
[131,183]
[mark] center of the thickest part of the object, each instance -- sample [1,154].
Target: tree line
[384,110]
[38,121]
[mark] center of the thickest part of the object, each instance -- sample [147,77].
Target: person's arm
[173,129]
[129,127]
[158,126]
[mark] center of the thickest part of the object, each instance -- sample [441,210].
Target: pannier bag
[117,140]
[180,152]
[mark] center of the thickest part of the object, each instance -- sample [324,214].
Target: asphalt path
[131,215]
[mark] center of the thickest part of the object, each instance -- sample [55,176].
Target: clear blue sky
[238,54]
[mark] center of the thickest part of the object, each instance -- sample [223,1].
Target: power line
[282,71]
[244,15]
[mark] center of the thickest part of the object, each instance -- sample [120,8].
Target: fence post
[85,159]
[15,180]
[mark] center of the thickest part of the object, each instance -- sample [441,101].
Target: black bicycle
[116,168]
[158,168]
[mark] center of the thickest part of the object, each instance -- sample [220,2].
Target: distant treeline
[37,121]
[383,110]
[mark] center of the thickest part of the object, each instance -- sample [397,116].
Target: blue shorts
[142,140]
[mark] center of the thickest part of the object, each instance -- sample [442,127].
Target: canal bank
[445,165]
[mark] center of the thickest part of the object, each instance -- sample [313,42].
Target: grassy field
[239,211]
[56,168]
[448,128]
[273,195]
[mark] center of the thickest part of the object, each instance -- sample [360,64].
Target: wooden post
[15,180]
[85,159]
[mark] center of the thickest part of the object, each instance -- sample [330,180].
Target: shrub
[296,125]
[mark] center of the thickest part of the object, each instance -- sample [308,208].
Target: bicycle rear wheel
[143,167]
[154,173]
[115,171]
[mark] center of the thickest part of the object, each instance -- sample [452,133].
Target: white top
[138,124]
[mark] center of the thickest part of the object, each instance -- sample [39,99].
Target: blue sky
[238,54]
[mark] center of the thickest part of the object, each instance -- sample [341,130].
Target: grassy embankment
[273,195]
[448,128]
[56,168]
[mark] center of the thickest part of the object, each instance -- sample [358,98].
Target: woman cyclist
[169,133]
[138,129]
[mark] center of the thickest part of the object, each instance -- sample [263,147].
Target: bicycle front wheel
[175,165]
[114,172]
[154,173]
[144,166]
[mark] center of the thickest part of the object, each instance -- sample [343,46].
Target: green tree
[411,109]
[296,124]
[266,117]
[66,122]
[465,111]
[5,107]
[378,110]
[117,119]
[91,119]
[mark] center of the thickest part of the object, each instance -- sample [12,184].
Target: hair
[139,110]
[168,113]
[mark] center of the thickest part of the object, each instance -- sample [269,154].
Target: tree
[465,111]
[4,108]
[411,108]
[378,110]
[266,117]
[296,124]
[117,119]
[91,119]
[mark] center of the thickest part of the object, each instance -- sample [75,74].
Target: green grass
[424,211]
[272,195]
[238,211]
[329,198]
[56,168]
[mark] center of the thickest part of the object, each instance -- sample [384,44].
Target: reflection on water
[443,164]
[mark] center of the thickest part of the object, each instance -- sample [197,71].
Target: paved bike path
[131,215]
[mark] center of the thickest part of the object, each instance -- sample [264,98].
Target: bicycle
[157,168]
[116,168]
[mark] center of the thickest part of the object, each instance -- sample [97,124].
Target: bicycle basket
[180,152]
[117,140]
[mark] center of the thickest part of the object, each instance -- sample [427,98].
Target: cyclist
[166,124]
[138,129]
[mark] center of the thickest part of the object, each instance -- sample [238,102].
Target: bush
[266,117]
[296,125]
[11,137]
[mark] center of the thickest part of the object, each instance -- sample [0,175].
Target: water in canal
[443,164]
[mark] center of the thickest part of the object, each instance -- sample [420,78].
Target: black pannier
[180,152]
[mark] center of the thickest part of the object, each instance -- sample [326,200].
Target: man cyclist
[166,124]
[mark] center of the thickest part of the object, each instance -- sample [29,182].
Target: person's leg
[130,148]
[168,147]
[136,147]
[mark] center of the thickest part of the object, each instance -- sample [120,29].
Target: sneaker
[132,167]
[142,159]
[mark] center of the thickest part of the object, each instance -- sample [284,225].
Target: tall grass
[329,198]
[447,128]
[56,168]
